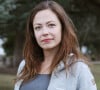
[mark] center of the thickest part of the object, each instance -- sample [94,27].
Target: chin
[49,48]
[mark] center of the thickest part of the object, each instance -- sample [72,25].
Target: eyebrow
[41,24]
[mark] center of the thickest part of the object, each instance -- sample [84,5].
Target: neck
[49,54]
[48,59]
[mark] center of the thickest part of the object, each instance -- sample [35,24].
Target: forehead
[45,16]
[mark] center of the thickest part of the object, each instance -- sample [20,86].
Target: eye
[51,25]
[37,28]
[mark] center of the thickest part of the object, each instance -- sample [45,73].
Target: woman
[52,57]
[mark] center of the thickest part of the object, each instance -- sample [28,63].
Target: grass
[96,73]
[6,81]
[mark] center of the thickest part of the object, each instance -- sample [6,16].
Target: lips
[47,40]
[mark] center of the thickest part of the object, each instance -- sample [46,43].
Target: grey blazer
[79,77]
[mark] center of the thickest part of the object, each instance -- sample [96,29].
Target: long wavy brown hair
[33,53]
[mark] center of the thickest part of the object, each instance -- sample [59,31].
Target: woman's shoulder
[80,63]
[80,67]
[22,63]
[85,76]
[21,66]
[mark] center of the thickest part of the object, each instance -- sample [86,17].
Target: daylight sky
[1,49]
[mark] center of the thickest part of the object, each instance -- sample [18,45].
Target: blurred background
[13,17]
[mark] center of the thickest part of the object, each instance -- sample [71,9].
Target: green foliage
[5,7]
[9,45]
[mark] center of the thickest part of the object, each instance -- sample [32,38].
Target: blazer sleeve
[85,79]
[18,83]
[21,66]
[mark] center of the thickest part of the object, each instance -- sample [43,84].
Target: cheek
[59,34]
[36,36]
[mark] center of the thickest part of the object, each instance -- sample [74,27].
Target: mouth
[47,40]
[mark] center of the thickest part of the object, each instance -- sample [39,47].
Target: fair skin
[47,29]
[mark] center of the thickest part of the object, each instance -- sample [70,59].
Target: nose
[45,31]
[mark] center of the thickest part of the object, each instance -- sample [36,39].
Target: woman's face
[47,29]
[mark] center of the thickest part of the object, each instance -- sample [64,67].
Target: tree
[14,27]
[88,23]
